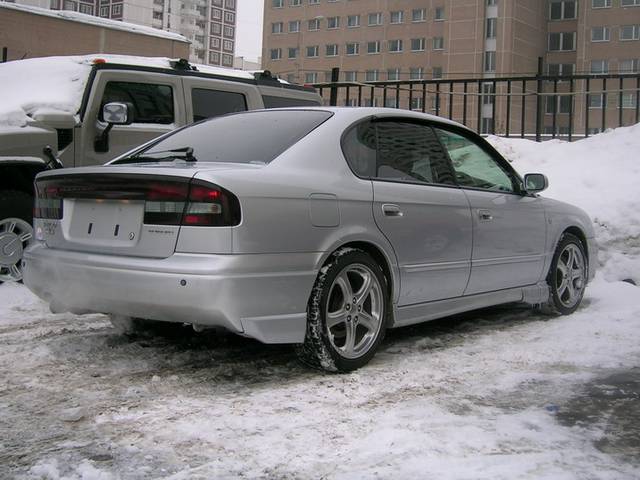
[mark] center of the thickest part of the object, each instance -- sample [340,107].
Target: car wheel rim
[15,236]
[570,275]
[354,311]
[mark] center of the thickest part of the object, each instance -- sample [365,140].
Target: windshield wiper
[183,153]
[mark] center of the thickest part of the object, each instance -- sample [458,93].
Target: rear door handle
[391,210]
[485,215]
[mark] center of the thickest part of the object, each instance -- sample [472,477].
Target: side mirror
[114,113]
[535,182]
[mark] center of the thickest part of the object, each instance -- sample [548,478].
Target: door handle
[391,210]
[485,215]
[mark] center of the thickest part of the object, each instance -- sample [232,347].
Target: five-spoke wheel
[568,275]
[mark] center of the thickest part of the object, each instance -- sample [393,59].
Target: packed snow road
[498,394]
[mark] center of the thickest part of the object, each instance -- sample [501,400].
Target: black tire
[319,349]
[14,204]
[560,300]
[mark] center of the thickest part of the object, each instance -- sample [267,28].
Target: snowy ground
[497,394]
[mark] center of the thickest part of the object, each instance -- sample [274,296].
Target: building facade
[210,25]
[389,40]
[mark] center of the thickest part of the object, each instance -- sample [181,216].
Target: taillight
[48,203]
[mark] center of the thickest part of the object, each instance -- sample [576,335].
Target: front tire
[567,277]
[346,314]
[16,232]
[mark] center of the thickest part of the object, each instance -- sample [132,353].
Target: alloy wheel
[15,236]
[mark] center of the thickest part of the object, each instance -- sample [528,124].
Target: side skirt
[422,312]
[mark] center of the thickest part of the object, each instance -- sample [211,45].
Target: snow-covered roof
[96,21]
[57,83]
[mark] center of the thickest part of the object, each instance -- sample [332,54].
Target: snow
[57,84]
[96,21]
[485,395]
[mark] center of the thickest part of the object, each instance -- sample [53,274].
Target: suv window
[151,103]
[211,103]
[252,137]
[411,152]
[272,101]
[473,166]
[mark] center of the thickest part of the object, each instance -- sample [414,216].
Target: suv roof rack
[182,64]
[265,77]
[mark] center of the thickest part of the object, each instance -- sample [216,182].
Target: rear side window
[252,137]
[212,103]
[359,148]
[151,103]
[272,101]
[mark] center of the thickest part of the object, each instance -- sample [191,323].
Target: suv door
[157,109]
[206,98]
[416,205]
[509,228]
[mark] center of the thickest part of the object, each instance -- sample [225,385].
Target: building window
[600,3]
[227,46]
[217,3]
[564,41]
[439,15]
[371,76]
[228,31]
[70,5]
[628,100]
[214,58]
[487,94]
[216,29]
[395,46]
[489,62]
[216,14]
[294,26]
[87,9]
[558,104]
[599,66]
[295,3]
[314,2]
[333,22]
[393,74]
[276,54]
[629,3]
[311,77]
[416,73]
[116,9]
[332,50]
[418,14]
[230,4]
[276,27]
[229,17]
[396,17]
[104,12]
[350,76]
[417,44]
[596,100]
[562,10]
[600,34]
[436,72]
[278,3]
[375,19]
[314,24]
[438,43]
[312,51]
[492,25]
[416,103]
[214,42]
[373,47]
[629,66]
[492,3]
[560,69]
[293,52]
[353,48]
[353,21]
[629,32]
[391,102]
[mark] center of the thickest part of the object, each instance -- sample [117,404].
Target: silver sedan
[321,227]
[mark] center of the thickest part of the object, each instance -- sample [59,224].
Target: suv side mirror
[535,182]
[114,113]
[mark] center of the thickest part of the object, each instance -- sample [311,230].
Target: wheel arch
[577,231]
[20,175]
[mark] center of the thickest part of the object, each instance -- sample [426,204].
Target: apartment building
[389,40]
[210,25]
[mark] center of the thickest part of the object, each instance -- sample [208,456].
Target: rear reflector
[167,200]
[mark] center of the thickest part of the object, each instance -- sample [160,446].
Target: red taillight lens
[211,206]
[48,204]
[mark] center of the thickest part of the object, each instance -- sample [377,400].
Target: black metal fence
[537,107]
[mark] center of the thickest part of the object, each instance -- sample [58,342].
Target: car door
[157,108]
[509,227]
[417,206]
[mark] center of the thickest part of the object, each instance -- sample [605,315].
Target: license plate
[106,221]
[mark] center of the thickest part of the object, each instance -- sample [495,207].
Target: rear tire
[16,232]
[346,313]
[567,278]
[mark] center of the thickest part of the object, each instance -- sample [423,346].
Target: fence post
[539,101]
[335,77]
[4,54]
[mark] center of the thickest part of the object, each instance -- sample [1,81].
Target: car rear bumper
[263,296]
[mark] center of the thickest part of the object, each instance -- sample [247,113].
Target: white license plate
[106,220]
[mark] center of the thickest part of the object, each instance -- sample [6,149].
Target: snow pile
[600,174]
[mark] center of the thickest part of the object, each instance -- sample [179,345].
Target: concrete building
[28,32]
[210,25]
[379,40]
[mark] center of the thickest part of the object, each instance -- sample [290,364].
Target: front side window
[151,103]
[473,166]
[211,103]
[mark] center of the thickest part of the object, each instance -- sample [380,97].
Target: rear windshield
[251,137]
